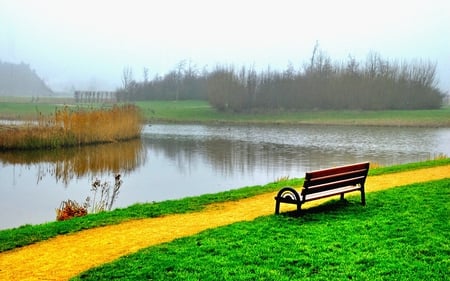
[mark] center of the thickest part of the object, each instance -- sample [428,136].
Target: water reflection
[66,164]
[243,149]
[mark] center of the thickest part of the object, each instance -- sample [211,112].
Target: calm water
[175,161]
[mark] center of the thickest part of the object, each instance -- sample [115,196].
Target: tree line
[185,82]
[320,83]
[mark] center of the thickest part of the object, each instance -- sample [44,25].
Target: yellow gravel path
[65,256]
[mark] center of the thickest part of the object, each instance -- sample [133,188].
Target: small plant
[70,209]
[374,165]
[282,178]
[440,156]
[108,194]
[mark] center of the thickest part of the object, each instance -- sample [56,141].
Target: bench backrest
[323,180]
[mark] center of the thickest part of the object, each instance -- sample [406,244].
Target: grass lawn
[201,111]
[402,234]
[18,110]
[197,111]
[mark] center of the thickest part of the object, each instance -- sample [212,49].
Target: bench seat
[325,183]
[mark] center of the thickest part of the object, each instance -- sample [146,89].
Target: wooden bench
[325,183]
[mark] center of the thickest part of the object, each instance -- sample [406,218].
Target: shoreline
[201,112]
[27,233]
[298,123]
[43,258]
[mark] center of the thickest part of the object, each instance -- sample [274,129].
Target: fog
[86,44]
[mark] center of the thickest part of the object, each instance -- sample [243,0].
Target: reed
[69,127]
[107,195]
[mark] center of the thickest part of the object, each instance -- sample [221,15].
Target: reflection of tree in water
[66,164]
[235,156]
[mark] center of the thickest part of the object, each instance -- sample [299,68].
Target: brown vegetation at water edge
[70,209]
[69,127]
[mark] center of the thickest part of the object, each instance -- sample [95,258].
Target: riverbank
[202,112]
[67,255]
[29,234]
[197,111]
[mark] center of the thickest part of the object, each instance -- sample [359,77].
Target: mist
[85,45]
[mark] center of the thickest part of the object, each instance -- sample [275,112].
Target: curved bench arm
[287,195]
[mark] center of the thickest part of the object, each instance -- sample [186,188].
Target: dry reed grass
[70,209]
[69,127]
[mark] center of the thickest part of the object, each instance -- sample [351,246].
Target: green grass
[196,111]
[18,110]
[201,111]
[28,234]
[441,161]
[23,108]
[402,234]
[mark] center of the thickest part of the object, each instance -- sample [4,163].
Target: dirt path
[65,256]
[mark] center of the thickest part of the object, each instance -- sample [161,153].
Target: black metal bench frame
[325,183]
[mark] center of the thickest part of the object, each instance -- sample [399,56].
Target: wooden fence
[95,97]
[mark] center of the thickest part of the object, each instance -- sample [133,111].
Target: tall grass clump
[68,127]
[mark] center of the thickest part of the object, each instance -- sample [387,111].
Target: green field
[402,236]
[202,112]
[21,111]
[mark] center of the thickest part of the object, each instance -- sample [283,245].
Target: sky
[86,45]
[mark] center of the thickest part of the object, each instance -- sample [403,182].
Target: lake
[173,161]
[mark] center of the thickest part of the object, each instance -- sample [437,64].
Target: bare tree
[179,77]
[145,75]
[127,77]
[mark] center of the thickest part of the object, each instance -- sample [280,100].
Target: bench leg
[342,196]
[277,207]
[363,197]
[299,208]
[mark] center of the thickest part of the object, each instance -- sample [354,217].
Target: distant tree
[375,84]
[127,77]
[77,96]
[145,75]
[179,78]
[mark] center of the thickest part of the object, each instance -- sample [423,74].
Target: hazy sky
[86,44]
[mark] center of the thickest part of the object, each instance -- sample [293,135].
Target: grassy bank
[26,111]
[202,112]
[28,234]
[70,127]
[394,239]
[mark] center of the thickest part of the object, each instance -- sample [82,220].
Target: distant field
[202,112]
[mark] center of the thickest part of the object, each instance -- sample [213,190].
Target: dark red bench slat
[332,178]
[337,170]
